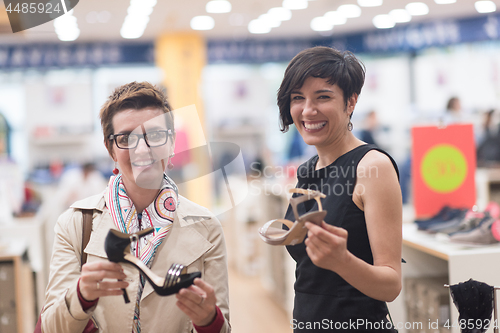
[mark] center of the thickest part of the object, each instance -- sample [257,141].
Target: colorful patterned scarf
[159,215]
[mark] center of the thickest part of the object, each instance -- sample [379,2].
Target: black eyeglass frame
[112,137]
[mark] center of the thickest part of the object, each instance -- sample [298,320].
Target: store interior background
[51,110]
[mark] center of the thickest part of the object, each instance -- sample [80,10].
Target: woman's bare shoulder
[375,163]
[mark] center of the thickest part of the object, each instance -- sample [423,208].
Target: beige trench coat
[195,240]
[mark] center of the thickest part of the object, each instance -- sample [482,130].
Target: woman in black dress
[350,265]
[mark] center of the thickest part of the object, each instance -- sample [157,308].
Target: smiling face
[320,113]
[142,166]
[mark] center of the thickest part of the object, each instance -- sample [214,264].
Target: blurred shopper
[80,183]
[348,267]
[139,135]
[366,134]
[488,148]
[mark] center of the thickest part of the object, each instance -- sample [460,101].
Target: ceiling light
[140,22]
[145,3]
[218,6]
[131,32]
[383,22]
[335,18]
[349,11]
[321,24]
[295,4]
[280,13]
[417,8]
[270,20]
[137,18]
[202,22]
[444,2]
[258,27]
[370,3]
[400,15]
[139,10]
[66,27]
[485,6]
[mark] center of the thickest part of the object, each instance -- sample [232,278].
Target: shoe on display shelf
[481,235]
[446,214]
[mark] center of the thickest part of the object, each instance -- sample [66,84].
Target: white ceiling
[174,16]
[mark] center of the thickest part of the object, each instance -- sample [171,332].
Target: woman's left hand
[326,246]
[198,302]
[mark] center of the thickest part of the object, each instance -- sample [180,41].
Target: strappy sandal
[117,246]
[297,231]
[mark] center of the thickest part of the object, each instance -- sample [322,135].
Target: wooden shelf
[18,314]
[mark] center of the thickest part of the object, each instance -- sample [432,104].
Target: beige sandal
[297,231]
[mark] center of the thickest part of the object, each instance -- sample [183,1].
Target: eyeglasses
[131,140]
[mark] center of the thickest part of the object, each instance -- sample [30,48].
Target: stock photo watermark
[274,179]
[26,14]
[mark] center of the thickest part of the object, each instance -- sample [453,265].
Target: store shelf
[430,255]
[17,305]
[439,247]
[27,232]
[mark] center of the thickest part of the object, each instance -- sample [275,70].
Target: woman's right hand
[92,285]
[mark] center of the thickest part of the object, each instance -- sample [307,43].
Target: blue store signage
[74,55]
[411,37]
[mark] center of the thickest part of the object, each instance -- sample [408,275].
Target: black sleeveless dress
[323,300]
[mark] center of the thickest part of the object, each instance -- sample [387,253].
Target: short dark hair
[341,68]
[134,95]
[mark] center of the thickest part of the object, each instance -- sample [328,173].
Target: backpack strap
[86,231]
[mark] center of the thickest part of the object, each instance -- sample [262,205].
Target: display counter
[429,255]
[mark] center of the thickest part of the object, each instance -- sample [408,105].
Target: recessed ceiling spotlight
[202,23]
[218,6]
[145,3]
[400,15]
[66,27]
[295,4]
[270,20]
[258,27]
[444,2]
[370,3]
[335,17]
[321,24]
[280,13]
[383,22]
[485,6]
[417,8]
[139,10]
[349,11]
[137,18]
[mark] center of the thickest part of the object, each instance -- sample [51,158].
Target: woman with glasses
[139,135]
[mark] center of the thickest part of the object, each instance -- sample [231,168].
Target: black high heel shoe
[117,246]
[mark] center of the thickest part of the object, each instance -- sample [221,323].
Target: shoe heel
[314,217]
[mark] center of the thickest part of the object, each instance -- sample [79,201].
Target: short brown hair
[341,68]
[134,95]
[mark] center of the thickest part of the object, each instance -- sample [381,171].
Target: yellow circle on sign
[444,168]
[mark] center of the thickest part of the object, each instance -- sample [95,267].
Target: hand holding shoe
[92,285]
[326,246]
[198,302]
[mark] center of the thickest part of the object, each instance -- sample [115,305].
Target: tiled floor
[251,308]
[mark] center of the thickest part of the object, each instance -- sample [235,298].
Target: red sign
[443,168]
